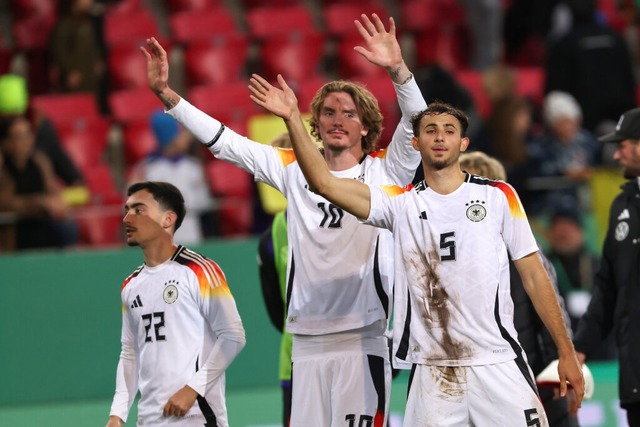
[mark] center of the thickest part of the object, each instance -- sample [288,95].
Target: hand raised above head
[382,47]
[281,102]
[157,65]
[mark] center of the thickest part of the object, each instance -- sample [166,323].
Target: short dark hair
[166,194]
[438,107]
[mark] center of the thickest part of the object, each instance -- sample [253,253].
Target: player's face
[143,219]
[439,141]
[628,155]
[339,125]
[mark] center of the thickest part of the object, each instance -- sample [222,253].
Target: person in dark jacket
[616,293]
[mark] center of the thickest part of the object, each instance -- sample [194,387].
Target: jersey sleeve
[219,309]
[383,205]
[267,164]
[516,230]
[401,159]
[127,371]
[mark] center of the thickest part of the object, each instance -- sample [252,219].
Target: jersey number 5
[448,246]
[157,319]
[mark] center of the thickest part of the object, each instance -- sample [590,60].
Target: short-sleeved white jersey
[453,304]
[176,319]
[340,272]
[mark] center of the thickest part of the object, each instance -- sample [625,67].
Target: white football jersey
[340,272]
[453,304]
[180,327]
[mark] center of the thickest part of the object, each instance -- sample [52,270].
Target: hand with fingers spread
[281,102]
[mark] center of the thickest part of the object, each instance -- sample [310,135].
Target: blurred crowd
[540,80]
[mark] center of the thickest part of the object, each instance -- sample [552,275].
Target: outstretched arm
[382,47]
[349,194]
[158,73]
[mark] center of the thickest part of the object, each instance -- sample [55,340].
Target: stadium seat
[252,4]
[23,9]
[446,46]
[233,189]
[61,108]
[175,6]
[138,141]
[350,63]
[296,56]
[132,104]
[84,140]
[132,27]
[339,17]
[530,83]
[127,67]
[472,81]
[263,22]
[229,103]
[215,60]
[189,25]
[102,186]
[99,226]
[382,88]
[306,89]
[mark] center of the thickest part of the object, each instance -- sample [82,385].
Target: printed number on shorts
[157,320]
[531,415]
[332,213]
[364,420]
[448,246]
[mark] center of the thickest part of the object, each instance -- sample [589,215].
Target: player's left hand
[569,369]
[180,403]
[281,102]
[382,47]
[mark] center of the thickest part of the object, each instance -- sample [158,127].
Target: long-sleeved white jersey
[340,272]
[453,303]
[180,326]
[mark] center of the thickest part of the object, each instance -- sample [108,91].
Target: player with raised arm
[453,314]
[339,271]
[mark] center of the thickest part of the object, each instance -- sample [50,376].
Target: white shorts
[341,385]
[503,394]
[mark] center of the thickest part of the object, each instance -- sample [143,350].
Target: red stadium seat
[67,107]
[176,6]
[472,81]
[252,4]
[446,46]
[216,60]
[263,22]
[132,104]
[138,141]
[23,9]
[193,25]
[233,188]
[132,27]
[32,33]
[306,89]
[296,56]
[102,186]
[84,140]
[530,84]
[351,63]
[127,67]
[382,88]
[228,103]
[339,17]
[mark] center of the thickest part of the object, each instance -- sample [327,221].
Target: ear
[169,219]
[464,143]
[414,143]
[364,131]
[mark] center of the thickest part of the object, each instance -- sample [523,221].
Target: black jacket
[615,304]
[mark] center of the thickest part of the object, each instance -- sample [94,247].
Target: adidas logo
[624,215]
[137,302]
[423,215]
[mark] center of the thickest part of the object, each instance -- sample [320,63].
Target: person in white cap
[616,292]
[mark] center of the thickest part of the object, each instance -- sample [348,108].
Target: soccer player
[339,273]
[180,326]
[453,317]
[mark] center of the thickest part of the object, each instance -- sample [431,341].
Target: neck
[158,252]
[444,181]
[339,160]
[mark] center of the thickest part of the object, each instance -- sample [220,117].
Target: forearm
[168,97]
[229,343]
[126,385]
[399,73]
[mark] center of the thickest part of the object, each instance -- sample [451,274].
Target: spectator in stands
[484,18]
[14,101]
[565,151]
[592,62]
[30,191]
[76,54]
[172,162]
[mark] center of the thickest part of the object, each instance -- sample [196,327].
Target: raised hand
[281,102]
[382,47]
[157,66]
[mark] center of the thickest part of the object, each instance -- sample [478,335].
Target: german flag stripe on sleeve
[381,153]
[515,206]
[211,279]
[395,190]
[287,156]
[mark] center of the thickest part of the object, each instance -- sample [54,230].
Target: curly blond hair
[479,163]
